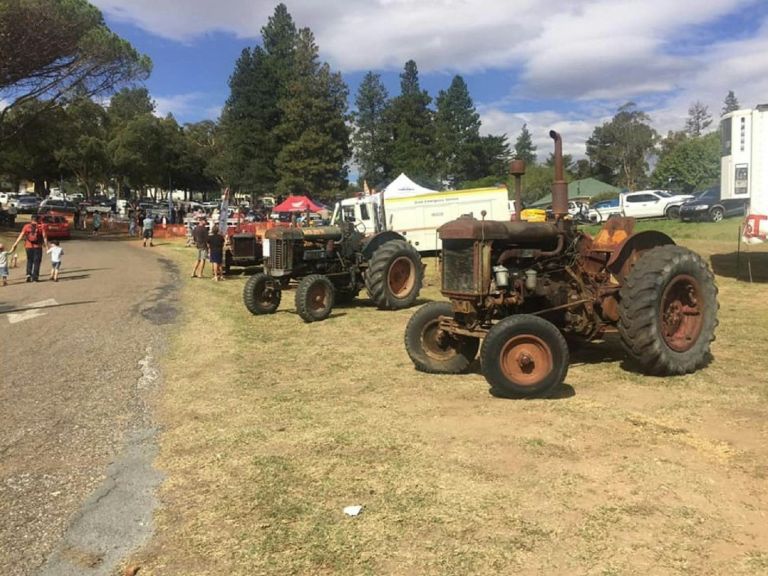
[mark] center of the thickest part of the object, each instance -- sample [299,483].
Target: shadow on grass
[741,266]
[562,391]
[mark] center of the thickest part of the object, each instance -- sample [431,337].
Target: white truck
[641,204]
[743,169]
[418,215]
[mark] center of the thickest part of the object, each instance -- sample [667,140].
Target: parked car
[6,198]
[57,205]
[652,204]
[56,227]
[708,205]
[27,204]
[601,211]
[7,217]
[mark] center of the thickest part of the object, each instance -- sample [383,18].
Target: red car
[56,227]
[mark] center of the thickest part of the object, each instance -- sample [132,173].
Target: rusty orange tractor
[521,292]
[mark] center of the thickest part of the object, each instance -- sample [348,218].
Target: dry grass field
[271,426]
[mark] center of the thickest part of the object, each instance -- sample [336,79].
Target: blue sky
[562,64]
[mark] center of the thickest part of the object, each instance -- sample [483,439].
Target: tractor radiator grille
[280,255]
[459,267]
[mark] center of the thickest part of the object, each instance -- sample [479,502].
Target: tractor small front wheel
[434,350]
[261,294]
[524,355]
[314,298]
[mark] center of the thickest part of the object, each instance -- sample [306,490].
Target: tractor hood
[467,228]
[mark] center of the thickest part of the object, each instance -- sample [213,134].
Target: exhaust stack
[559,186]
[517,169]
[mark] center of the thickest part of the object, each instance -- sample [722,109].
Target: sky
[565,65]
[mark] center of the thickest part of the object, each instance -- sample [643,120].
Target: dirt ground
[273,426]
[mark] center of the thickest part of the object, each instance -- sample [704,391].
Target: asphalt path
[77,369]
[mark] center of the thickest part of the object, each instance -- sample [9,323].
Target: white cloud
[192,104]
[575,129]
[584,56]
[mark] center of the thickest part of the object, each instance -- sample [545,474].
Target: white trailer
[418,217]
[743,165]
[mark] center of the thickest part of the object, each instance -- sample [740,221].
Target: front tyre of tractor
[524,355]
[314,298]
[433,350]
[668,311]
[261,294]
[394,276]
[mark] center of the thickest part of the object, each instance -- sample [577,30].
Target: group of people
[35,241]
[210,246]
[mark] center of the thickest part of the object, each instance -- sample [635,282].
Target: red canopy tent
[297,204]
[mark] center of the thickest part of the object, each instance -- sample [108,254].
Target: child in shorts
[3,265]
[55,251]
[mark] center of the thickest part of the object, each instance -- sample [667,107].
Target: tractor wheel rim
[401,277]
[266,294]
[526,360]
[317,297]
[436,343]
[682,314]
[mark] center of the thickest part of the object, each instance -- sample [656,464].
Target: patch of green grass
[724,231]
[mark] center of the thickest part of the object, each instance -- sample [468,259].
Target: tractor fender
[629,250]
[375,241]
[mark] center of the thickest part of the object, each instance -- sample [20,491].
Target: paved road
[77,366]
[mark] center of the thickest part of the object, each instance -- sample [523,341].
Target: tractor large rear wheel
[261,294]
[668,311]
[433,350]
[314,298]
[394,276]
[524,355]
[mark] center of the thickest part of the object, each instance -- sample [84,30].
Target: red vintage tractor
[522,292]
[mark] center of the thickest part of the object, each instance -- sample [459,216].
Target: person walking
[216,252]
[35,238]
[3,265]
[200,238]
[148,227]
[55,251]
[131,225]
[96,223]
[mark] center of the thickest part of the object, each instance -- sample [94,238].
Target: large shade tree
[619,149]
[53,50]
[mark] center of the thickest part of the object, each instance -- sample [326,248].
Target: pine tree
[409,122]
[313,126]
[369,137]
[698,119]
[731,103]
[248,121]
[457,134]
[524,146]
